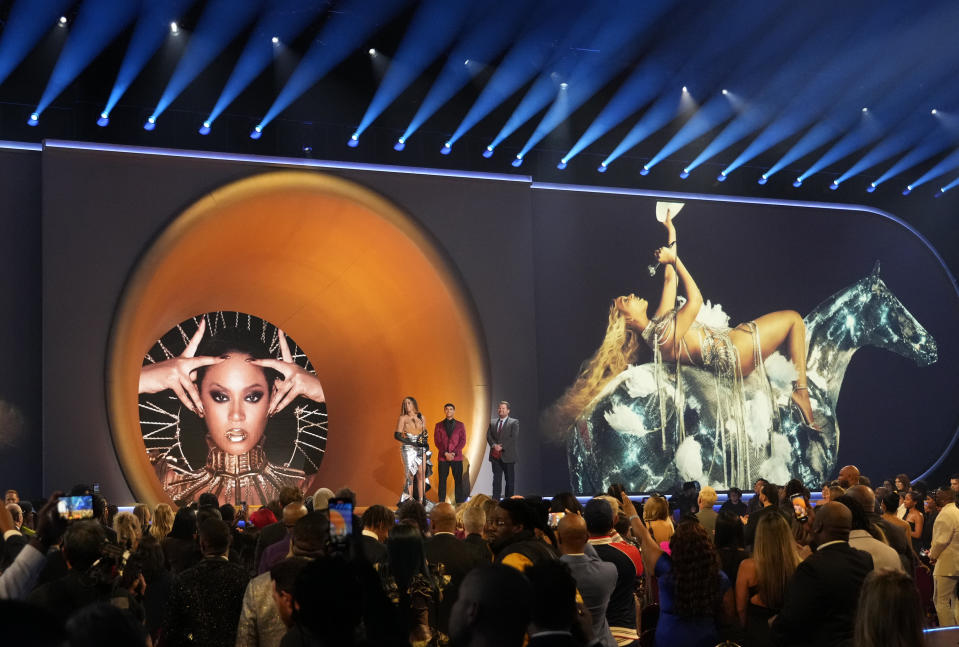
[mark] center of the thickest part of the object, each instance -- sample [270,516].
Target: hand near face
[297,381]
[178,374]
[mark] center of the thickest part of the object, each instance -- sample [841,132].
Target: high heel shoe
[802,414]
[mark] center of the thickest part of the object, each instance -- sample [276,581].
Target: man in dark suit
[895,535]
[457,560]
[275,531]
[206,600]
[769,499]
[450,438]
[377,521]
[501,438]
[825,586]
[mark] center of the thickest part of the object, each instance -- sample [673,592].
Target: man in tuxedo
[501,438]
[450,438]
[825,586]
[377,521]
[457,559]
[944,553]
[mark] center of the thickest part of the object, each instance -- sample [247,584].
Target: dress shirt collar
[444,533]
[370,533]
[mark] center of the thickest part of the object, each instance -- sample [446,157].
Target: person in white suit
[944,553]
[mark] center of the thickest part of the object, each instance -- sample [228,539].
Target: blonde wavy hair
[620,348]
[776,558]
[162,521]
[127,527]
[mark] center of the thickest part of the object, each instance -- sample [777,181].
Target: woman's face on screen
[236,399]
[632,306]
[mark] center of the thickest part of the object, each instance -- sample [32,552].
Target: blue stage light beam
[949,186]
[822,92]
[153,27]
[26,24]
[617,42]
[527,57]
[930,145]
[434,27]
[712,37]
[219,24]
[752,69]
[892,109]
[559,69]
[343,31]
[284,20]
[775,94]
[480,46]
[98,22]
[949,163]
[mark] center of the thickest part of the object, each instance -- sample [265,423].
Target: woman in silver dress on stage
[414,451]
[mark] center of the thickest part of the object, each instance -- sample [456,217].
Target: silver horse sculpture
[617,439]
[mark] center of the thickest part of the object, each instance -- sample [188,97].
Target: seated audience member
[889,613]
[104,624]
[279,550]
[730,544]
[412,513]
[142,512]
[444,550]
[695,596]
[565,502]
[82,546]
[595,579]
[259,625]
[769,499]
[893,535]
[377,521]
[19,577]
[162,521]
[179,546]
[474,522]
[277,531]
[944,553]
[656,516]
[493,609]
[825,586]
[206,599]
[734,503]
[554,616]
[515,544]
[755,504]
[127,527]
[706,514]
[325,605]
[883,556]
[848,476]
[762,578]
[621,610]
[412,585]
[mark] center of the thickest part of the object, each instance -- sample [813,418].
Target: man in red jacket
[449,435]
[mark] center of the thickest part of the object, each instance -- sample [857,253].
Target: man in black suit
[554,606]
[769,500]
[501,438]
[206,600]
[474,522]
[377,521]
[457,560]
[825,586]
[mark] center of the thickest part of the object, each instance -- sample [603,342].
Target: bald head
[572,534]
[443,518]
[864,495]
[832,523]
[849,476]
[293,512]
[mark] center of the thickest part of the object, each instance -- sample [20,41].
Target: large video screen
[822,337]
[229,404]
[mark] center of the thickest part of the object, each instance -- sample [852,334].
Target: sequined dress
[249,477]
[412,456]
[719,356]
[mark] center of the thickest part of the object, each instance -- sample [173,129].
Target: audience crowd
[858,567]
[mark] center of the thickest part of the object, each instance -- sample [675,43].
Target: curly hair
[621,347]
[695,572]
